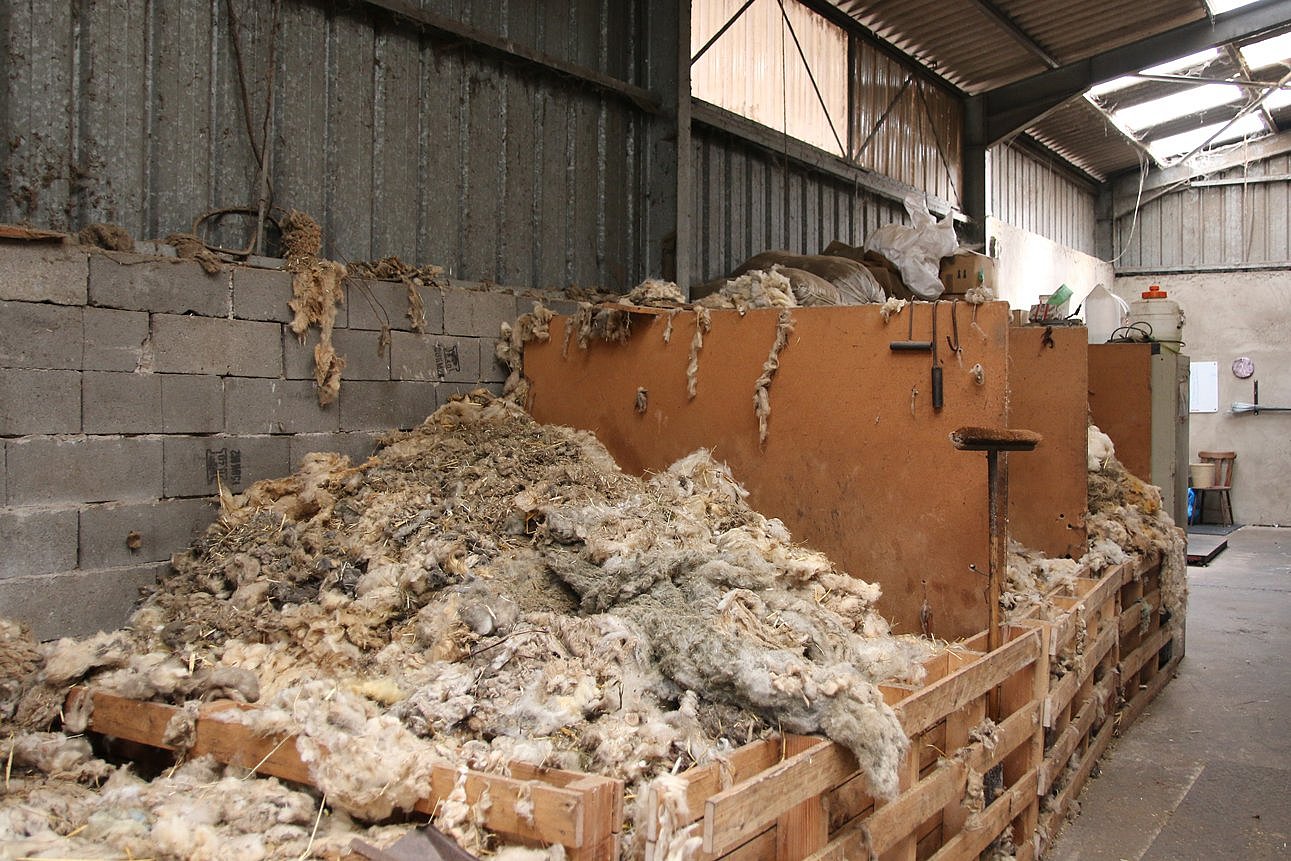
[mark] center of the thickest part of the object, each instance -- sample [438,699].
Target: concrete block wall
[129,383]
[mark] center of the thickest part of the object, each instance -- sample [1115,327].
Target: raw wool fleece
[1125,520]
[1125,512]
[761,288]
[199,811]
[316,294]
[487,590]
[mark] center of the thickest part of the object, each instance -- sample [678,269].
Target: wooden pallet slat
[925,707]
[570,809]
[757,802]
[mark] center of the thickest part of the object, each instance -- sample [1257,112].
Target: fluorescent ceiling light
[1219,7]
[1174,67]
[1176,145]
[1270,52]
[1190,101]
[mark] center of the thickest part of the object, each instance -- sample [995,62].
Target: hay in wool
[653,293]
[488,590]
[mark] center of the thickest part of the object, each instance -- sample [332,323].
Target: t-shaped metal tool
[995,441]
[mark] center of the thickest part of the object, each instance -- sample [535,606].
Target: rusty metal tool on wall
[910,344]
[938,396]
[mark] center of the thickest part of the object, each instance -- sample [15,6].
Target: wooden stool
[1223,486]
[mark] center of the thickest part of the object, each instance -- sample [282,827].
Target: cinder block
[202,345]
[559,305]
[115,340]
[434,357]
[39,402]
[261,294]
[374,303]
[492,369]
[192,403]
[43,272]
[357,346]
[77,603]
[194,463]
[45,470]
[477,313]
[153,248]
[33,335]
[358,446]
[160,529]
[255,406]
[37,541]
[384,406]
[121,403]
[140,283]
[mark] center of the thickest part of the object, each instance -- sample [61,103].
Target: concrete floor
[1206,772]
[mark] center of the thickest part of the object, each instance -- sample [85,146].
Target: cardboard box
[965,270]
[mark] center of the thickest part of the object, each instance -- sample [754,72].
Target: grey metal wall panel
[131,111]
[1026,192]
[1244,223]
[747,201]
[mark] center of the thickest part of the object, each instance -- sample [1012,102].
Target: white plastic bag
[917,250]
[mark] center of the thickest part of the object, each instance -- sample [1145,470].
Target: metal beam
[810,157]
[1162,181]
[1019,35]
[450,29]
[1014,107]
[976,194]
[667,231]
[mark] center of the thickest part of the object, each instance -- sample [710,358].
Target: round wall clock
[1243,368]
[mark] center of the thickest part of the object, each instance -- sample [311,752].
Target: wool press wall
[857,463]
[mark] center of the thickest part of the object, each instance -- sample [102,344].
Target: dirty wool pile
[1125,520]
[485,589]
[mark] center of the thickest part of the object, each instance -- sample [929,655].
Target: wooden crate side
[926,707]
[574,815]
[1057,808]
[1056,758]
[991,822]
[896,821]
[1134,707]
[1060,694]
[747,807]
[705,781]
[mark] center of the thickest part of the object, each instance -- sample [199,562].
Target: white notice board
[1203,387]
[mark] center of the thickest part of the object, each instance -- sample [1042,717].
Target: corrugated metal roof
[980,45]
[1083,135]
[972,50]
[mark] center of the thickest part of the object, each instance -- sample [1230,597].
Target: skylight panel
[1191,101]
[1219,7]
[1278,99]
[1183,64]
[1113,85]
[1166,148]
[1269,52]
